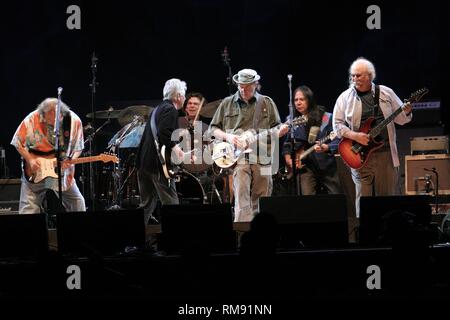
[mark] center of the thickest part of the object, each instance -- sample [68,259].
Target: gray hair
[49,103]
[367,64]
[174,87]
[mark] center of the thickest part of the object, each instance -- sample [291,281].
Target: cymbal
[209,109]
[104,114]
[127,115]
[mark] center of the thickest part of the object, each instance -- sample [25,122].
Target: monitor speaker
[309,221]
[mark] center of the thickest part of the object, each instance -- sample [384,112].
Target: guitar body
[47,169]
[356,155]
[48,165]
[225,155]
[302,154]
[167,167]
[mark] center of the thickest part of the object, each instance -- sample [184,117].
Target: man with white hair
[34,139]
[247,110]
[361,101]
[153,185]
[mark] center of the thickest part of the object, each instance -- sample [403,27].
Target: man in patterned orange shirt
[34,138]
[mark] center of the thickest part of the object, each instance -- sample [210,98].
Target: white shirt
[348,108]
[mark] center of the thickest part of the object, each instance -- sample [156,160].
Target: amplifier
[429,145]
[9,189]
[9,207]
[421,181]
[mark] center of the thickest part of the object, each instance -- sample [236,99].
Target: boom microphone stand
[58,146]
[292,138]
[93,86]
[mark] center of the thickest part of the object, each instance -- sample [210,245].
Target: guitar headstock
[332,135]
[417,95]
[298,121]
[109,157]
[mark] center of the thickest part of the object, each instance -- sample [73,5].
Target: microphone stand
[226,61]
[56,133]
[93,86]
[292,138]
[436,189]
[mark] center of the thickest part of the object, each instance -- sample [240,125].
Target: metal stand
[226,60]
[296,186]
[56,133]
[436,188]
[93,86]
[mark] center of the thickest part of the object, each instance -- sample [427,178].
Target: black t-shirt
[369,110]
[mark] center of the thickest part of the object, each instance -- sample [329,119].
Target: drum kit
[117,184]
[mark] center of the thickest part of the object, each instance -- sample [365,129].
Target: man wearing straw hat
[245,111]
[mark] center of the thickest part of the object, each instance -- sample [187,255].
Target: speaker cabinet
[9,196]
[104,233]
[309,221]
[418,180]
[374,210]
[197,228]
[23,235]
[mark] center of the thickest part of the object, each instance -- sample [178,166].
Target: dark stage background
[142,44]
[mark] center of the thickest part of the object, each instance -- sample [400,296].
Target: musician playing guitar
[318,169]
[162,122]
[244,110]
[34,139]
[363,103]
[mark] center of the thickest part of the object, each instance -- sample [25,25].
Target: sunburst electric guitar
[356,155]
[302,154]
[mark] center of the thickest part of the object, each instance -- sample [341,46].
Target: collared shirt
[348,109]
[236,116]
[35,135]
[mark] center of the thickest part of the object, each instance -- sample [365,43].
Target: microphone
[60,89]
[289,77]
[94,60]
[313,132]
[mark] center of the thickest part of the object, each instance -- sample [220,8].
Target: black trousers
[154,187]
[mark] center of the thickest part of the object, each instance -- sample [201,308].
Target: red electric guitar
[354,154]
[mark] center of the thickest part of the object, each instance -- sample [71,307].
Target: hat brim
[236,76]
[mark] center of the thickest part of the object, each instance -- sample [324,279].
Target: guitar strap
[376,100]
[258,107]
[155,135]
[66,127]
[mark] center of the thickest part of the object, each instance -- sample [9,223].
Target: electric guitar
[48,165]
[226,155]
[301,154]
[356,155]
[170,170]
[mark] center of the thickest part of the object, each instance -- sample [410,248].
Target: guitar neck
[84,160]
[380,127]
[311,149]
